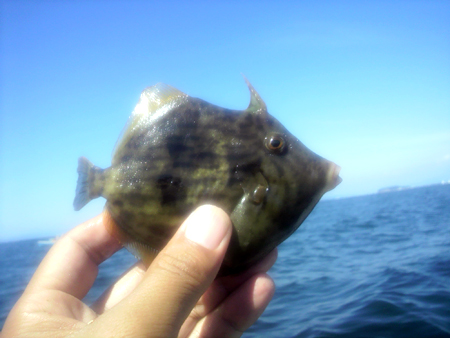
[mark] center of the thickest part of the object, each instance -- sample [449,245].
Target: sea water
[367,266]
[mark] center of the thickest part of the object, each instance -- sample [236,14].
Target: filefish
[178,152]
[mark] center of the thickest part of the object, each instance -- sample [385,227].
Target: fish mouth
[333,179]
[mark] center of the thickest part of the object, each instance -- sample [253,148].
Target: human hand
[176,297]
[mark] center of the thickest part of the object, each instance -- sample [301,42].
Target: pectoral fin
[255,187]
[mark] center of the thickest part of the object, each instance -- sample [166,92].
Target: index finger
[71,265]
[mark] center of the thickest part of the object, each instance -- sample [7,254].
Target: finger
[239,311]
[176,279]
[71,265]
[120,289]
[232,281]
[222,287]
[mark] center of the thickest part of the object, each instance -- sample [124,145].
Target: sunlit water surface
[368,266]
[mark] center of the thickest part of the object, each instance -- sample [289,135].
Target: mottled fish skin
[186,152]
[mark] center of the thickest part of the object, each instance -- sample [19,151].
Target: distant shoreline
[394,188]
[407,187]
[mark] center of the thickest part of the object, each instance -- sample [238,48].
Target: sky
[365,84]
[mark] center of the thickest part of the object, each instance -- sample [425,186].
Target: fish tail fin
[87,184]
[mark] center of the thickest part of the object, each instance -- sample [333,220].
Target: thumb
[176,279]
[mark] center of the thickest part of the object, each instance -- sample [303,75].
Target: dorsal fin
[256,102]
[153,103]
[154,97]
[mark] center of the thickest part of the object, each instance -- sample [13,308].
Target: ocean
[367,266]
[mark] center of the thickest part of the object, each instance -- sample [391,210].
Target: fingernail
[207,226]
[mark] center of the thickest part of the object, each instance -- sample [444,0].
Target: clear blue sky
[365,84]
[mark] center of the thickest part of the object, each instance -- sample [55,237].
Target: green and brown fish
[179,152]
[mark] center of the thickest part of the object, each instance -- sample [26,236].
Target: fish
[178,152]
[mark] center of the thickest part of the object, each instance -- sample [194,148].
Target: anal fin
[141,251]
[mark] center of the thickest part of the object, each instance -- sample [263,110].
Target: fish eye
[275,143]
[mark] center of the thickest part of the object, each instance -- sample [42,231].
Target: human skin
[177,296]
